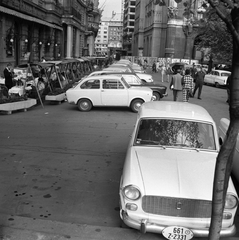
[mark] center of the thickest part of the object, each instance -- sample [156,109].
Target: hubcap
[84,105]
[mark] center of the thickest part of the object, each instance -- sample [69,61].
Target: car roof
[103,77]
[221,71]
[174,110]
[114,72]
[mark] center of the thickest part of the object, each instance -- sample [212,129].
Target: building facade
[54,29]
[101,41]
[128,25]
[165,28]
[109,38]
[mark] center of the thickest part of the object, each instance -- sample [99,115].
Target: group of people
[189,84]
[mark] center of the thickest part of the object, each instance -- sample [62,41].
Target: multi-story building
[165,30]
[101,41]
[128,25]
[109,38]
[115,33]
[55,29]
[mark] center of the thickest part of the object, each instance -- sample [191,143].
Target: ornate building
[165,28]
[55,29]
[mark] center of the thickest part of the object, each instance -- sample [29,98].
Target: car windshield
[175,133]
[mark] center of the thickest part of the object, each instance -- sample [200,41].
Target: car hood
[175,172]
[144,75]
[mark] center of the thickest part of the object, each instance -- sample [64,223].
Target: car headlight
[231,201]
[131,192]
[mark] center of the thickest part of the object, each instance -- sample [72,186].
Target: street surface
[60,169]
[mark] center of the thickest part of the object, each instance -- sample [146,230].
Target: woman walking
[187,82]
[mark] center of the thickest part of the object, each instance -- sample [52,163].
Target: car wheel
[123,225]
[157,96]
[84,105]
[217,85]
[136,104]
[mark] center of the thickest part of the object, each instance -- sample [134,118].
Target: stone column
[69,44]
[77,49]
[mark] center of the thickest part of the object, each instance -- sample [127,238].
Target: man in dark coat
[8,75]
[199,80]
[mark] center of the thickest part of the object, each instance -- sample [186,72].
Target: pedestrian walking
[187,82]
[163,71]
[8,75]
[169,72]
[176,84]
[199,80]
[157,66]
[154,67]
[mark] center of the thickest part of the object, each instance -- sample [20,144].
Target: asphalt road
[60,168]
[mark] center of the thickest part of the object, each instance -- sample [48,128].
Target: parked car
[159,90]
[120,68]
[107,91]
[217,78]
[222,130]
[167,180]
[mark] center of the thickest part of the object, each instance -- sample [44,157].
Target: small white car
[107,90]
[222,130]
[217,78]
[167,180]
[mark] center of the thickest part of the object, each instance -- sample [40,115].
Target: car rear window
[175,133]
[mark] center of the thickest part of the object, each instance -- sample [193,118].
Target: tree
[228,11]
[214,35]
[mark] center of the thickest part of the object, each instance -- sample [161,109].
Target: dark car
[159,90]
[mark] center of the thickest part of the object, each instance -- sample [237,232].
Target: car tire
[217,85]
[136,104]
[157,96]
[84,105]
[123,225]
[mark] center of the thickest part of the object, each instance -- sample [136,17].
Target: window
[90,84]
[112,84]
[176,133]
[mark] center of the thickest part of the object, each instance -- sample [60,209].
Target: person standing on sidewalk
[176,84]
[187,82]
[199,80]
[8,75]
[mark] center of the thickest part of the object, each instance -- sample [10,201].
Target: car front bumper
[145,226]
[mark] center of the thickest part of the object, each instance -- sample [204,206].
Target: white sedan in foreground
[217,78]
[107,91]
[167,180]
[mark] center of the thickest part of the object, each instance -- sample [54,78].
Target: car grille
[176,207]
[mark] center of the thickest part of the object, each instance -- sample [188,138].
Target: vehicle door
[91,89]
[114,93]
[210,78]
[217,78]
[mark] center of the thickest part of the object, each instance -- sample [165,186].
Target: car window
[91,84]
[225,74]
[112,84]
[175,133]
[131,79]
[216,73]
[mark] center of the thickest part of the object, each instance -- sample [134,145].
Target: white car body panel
[108,97]
[217,77]
[222,130]
[171,172]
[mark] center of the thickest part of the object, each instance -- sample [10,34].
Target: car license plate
[177,233]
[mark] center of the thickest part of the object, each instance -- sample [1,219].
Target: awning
[26,17]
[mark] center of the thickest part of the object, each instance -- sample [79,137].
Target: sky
[109,6]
